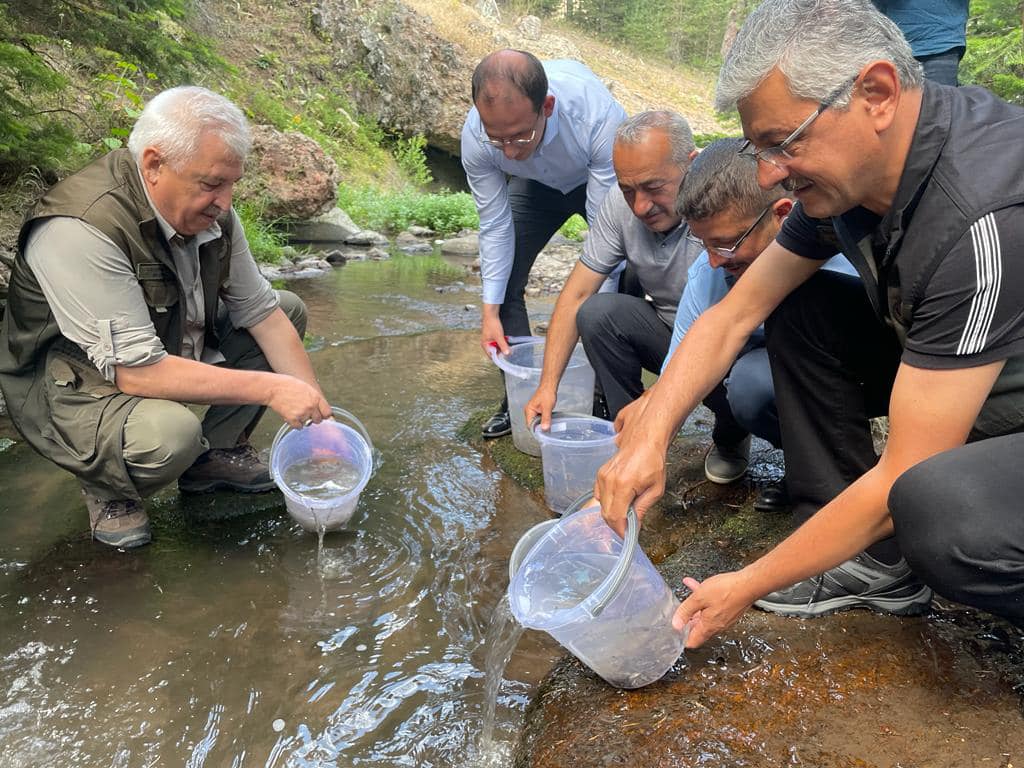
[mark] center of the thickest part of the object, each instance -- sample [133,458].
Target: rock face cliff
[407,77]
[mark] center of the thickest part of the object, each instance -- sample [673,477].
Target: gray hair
[721,179]
[175,120]
[634,129]
[817,45]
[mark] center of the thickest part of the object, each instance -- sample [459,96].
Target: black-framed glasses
[777,155]
[728,253]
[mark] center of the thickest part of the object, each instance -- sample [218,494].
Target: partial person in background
[536,148]
[637,225]
[936,31]
[133,294]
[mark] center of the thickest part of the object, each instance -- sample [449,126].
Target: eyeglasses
[500,143]
[728,253]
[777,155]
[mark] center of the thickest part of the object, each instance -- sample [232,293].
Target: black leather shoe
[498,425]
[772,498]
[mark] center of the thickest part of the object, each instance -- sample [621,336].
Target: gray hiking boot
[727,463]
[119,523]
[862,582]
[235,469]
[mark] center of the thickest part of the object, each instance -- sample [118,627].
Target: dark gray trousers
[959,524]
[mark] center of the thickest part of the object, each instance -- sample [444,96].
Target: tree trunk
[737,13]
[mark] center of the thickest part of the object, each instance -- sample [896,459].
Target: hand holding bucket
[321,469]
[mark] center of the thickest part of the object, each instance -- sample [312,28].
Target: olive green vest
[56,397]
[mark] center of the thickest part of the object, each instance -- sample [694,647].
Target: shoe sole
[492,435]
[915,605]
[128,540]
[721,479]
[218,485]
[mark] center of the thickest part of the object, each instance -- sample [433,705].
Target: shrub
[394,211]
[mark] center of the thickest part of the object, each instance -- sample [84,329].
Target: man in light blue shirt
[536,148]
[735,219]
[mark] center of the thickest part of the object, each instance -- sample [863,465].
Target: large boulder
[290,175]
[331,227]
[416,82]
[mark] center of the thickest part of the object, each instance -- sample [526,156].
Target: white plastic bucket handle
[519,371]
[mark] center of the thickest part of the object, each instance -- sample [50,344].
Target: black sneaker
[726,464]
[862,582]
[499,425]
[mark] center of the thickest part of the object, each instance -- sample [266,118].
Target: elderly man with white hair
[134,293]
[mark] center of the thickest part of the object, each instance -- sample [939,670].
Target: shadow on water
[226,642]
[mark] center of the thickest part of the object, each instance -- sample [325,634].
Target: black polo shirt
[945,265]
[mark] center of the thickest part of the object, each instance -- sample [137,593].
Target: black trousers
[833,365]
[622,335]
[960,524]
[537,213]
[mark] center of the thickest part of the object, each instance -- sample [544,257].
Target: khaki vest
[56,397]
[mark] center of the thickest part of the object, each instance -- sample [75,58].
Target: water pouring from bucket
[522,367]
[321,469]
[597,594]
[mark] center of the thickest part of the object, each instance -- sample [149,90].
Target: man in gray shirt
[624,334]
[133,293]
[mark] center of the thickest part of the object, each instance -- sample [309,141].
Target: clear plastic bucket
[598,596]
[321,469]
[522,367]
[571,452]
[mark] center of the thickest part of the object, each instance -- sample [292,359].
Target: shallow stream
[226,642]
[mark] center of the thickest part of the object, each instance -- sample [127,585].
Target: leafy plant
[265,241]
[125,99]
[373,208]
[574,228]
[412,161]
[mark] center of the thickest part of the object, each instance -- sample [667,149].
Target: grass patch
[574,228]
[265,241]
[393,211]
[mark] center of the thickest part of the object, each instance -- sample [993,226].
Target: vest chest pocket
[158,287]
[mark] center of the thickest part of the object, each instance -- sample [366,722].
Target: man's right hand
[492,332]
[541,404]
[634,475]
[297,402]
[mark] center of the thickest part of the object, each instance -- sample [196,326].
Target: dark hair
[525,73]
[720,179]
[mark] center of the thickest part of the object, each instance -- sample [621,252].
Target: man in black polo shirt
[922,188]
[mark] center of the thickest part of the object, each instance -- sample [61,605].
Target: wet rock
[553,266]
[469,307]
[335,256]
[314,263]
[378,254]
[289,174]
[366,237]
[417,231]
[334,226]
[465,245]
[410,243]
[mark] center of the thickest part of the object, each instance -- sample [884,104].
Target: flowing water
[229,641]
[321,478]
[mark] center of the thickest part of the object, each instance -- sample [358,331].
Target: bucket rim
[501,360]
[545,438]
[593,604]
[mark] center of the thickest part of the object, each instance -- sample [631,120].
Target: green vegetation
[574,227]
[265,242]
[377,209]
[995,48]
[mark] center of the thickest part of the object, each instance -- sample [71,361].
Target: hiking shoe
[727,463]
[119,523]
[235,469]
[499,425]
[862,582]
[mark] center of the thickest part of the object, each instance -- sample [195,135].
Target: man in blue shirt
[735,220]
[536,148]
[936,31]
